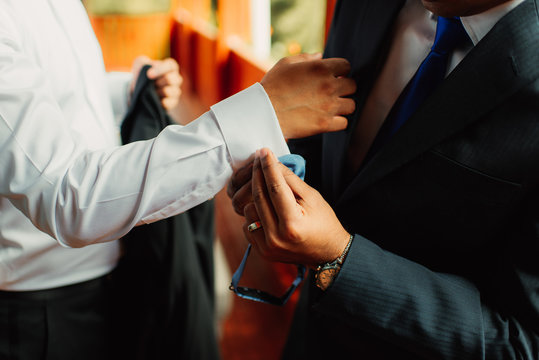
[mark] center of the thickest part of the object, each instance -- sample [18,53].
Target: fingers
[242,197]
[170,96]
[160,68]
[261,198]
[167,81]
[281,196]
[303,57]
[338,66]
[168,84]
[337,123]
[345,106]
[169,103]
[169,92]
[139,62]
[254,237]
[170,78]
[250,213]
[299,188]
[239,187]
[241,176]
[166,75]
[346,86]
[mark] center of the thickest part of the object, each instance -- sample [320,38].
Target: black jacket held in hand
[165,279]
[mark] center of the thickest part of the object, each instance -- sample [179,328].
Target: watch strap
[326,273]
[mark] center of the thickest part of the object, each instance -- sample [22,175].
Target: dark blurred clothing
[165,279]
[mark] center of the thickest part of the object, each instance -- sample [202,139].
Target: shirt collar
[477,26]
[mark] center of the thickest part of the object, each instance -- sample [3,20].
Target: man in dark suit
[443,261]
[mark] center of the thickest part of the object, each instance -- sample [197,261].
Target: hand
[239,186]
[298,225]
[167,78]
[307,93]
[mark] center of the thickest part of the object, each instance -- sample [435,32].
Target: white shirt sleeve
[80,197]
[118,84]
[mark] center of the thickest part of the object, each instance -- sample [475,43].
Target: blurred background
[222,46]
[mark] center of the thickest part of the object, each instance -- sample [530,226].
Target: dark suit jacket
[164,283]
[445,260]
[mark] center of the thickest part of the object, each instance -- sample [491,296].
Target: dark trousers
[71,322]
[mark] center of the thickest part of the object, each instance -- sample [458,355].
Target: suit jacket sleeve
[434,315]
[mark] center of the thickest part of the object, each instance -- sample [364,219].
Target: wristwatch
[325,273]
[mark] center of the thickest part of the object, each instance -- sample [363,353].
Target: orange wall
[123,37]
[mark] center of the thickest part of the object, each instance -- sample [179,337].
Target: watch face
[325,277]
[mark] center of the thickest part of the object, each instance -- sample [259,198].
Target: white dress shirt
[67,189]
[413,38]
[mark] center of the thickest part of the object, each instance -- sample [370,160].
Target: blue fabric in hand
[296,163]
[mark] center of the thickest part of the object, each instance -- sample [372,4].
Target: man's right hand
[298,225]
[309,93]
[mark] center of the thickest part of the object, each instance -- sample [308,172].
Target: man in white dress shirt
[68,190]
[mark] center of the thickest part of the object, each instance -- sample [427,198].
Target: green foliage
[297,25]
[127,7]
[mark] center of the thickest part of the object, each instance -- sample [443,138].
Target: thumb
[298,186]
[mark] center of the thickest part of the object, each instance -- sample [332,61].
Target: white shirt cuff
[247,121]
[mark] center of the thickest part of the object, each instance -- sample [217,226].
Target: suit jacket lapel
[368,23]
[493,70]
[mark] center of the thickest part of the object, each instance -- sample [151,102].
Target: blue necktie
[450,34]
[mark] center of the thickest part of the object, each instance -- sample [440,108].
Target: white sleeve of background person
[118,83]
